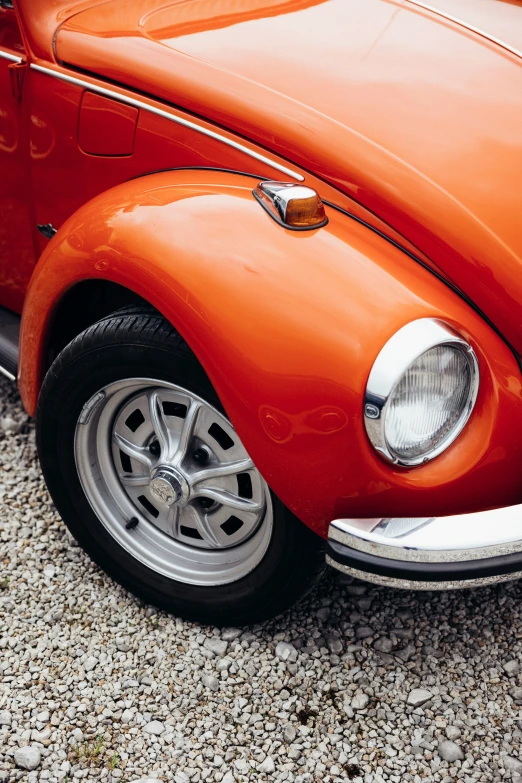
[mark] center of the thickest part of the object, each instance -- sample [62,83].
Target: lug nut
[200,456]
[155,448]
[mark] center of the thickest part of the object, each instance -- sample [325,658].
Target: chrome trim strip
[11,57]
[452,539]
[466,26]
[167,115]
[393,360]
[7,374]
[411,584]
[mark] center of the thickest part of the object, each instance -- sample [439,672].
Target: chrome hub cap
[168,477]
[169,486]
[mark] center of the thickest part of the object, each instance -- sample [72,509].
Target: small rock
[224,664]
[144,780]
[123,646]
[453,732]
[363,632]
[356,589]
[360,701]
[511,668]
[90,663]
[41,736]
[383,644]
[154,727]
[323,614]
[406,653]
[449,751]
[127,716]
[210,682]
[216,645]
[28,757]
[289,733]
[267,766]
[418,696]
[334,644]
[511,764]
[516,693]
[230,634]
[228,777]
[5,718]
[49,571]
[8,424]
[284,651]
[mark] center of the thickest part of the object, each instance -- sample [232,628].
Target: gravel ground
[357,683]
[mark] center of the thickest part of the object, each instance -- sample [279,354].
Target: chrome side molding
[168,115]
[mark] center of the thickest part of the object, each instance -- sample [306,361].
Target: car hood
[413,114]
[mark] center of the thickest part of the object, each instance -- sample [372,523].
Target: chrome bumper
[436,553]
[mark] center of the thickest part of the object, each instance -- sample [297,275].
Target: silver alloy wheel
[168,477]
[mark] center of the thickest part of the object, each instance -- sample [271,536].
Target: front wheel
[153,481]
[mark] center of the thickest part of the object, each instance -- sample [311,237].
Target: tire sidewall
[72,381]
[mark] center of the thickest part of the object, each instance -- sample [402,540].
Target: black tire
[138,342]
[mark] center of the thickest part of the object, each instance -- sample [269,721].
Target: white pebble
[28,757]
[154,727]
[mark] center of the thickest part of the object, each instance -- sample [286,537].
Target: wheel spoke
[228,499]
[187,432]
[135,481]
[136,452]
[173,521]
[226,469]
[208,533]
[159,424]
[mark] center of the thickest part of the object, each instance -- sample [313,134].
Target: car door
[17,249]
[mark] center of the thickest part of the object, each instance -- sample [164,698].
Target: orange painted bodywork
[287,331]
[408,121]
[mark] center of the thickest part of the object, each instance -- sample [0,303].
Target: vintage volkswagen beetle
[268,259]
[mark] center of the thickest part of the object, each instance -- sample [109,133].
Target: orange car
[267,261]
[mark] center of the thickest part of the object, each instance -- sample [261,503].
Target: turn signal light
[292,206]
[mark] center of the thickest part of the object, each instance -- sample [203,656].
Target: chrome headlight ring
[398,356]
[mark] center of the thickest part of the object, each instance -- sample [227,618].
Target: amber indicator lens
[294,206]
[305,211]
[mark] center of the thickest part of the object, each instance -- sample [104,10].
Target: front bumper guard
[430,553]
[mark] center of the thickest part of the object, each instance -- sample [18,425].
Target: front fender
[287,325]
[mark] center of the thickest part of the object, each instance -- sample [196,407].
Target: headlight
[420,392]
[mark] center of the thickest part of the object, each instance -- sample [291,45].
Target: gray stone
[511,668]
[406,653]
[267,766]
[5,718]
[216,645]
[516,693]
[289,733]
[334,644]
[210,682]
[450,751]
[453,732]
[419,696]
[511,764]
[383,644]
[230,634]
[28,757]
[154,727]
[285,651]
[90,663]
[363,632]
[360,701]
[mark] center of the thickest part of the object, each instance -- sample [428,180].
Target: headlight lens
[420,392]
